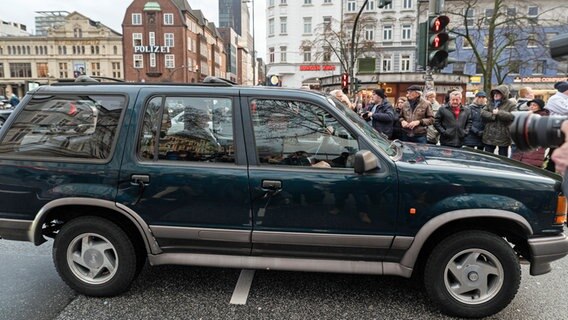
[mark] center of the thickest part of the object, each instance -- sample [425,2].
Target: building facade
[8,28]
[166,40]
[520,43]
[78,46]
[46,20]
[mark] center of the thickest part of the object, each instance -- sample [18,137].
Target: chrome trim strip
[34,233]
[431,226]
[322,239]
[402,243]
[267,263]
[229,235]
[14,229]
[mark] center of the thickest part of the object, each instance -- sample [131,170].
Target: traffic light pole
[352,51]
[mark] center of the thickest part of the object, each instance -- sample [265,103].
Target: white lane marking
[242,288]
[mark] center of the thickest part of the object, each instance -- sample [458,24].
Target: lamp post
[253,41]
[172,71]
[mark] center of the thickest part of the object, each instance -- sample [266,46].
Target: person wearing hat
[534,157]
[498,117]
[416,115]
[473,137]
[381,113]
[557,104]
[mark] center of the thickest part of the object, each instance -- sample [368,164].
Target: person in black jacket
[473,138]
[381,113]
[453,121]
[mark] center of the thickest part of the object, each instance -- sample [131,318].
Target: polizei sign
[151,49]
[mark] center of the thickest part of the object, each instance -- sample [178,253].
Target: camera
[530,131]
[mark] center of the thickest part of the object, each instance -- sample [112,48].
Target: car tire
[95,257]
[472,274]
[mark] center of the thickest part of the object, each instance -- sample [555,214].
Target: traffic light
[345,81]
[438,40]
[384,3]
[357,83]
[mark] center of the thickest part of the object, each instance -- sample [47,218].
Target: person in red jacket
[534,157]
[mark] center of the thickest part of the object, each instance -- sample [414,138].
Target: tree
[503,34]
[333,38]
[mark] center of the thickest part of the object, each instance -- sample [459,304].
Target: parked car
[265,178]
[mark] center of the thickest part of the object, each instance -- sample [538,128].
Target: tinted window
[65,126]
[300,134]
[190,129]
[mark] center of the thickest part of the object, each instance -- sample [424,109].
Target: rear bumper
[11,229]
[545,250]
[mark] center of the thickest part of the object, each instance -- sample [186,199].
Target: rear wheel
[95,257]
[472,274]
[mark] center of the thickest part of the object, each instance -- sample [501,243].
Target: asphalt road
[31,289]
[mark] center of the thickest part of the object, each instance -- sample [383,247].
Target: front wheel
[95,257]
[472,274]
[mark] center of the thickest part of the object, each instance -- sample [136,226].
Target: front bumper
[11,229]
[545,250]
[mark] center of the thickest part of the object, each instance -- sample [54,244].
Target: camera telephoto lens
[530,131]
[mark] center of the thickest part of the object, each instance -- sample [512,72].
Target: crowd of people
[484,124]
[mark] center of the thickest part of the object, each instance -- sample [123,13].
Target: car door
[188,180]
[306,198]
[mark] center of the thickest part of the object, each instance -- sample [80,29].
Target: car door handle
[140,179]
[271,185]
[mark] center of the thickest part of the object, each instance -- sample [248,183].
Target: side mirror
[365,161]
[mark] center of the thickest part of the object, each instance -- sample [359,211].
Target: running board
[282,264]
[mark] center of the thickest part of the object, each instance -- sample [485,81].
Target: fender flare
[411,255]
[35,236]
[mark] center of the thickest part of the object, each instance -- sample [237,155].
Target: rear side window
[82,127]
[198,129]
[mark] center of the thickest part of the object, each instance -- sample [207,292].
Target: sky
[111,13]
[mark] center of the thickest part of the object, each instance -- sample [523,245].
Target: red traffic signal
[344,80]
[438,40]
[439,23]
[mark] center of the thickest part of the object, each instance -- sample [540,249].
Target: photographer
[560,155]
[381,113]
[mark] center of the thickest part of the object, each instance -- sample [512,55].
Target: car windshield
[382,142]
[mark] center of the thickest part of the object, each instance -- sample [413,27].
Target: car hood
[468,159]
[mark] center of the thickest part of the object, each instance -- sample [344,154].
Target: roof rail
[86,78]
[212,79]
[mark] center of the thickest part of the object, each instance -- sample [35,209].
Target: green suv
[250,177]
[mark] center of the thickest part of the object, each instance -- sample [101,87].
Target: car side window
[65,127]
[188,129]
[298,133]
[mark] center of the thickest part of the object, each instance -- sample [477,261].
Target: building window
[307,54]
[406,32]
[169,39]
[326,54]
[137,18]
[540,66]
[152,38]
[271,27]
[387,33]
[96,68]
[152,60]
[42,70]
[351,6]
[532,11]
[115,50]
[281,2]
[283,25]
[77,33]
[532,41]
[63,73]
[308,25]
[169,61]
[136,39]
[466,44]
[327,22]
[407,4]
[370,5]
[488,15]
[138,61]
[168,18]
[369,33]
[20,70]
[271,55]
[116,70]
[283,57]
[307,1]
[271,3]
[405,62]
[511,12]
[388,6]
[387,63]
[469,14]
[326,1]
[1,70]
